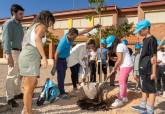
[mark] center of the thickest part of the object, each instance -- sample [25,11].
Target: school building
[152,11]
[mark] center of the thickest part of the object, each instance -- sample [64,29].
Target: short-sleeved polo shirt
[64,47]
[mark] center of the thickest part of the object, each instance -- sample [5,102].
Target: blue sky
[35,6]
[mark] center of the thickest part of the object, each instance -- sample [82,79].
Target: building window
[76,23]
[80,23]
[105,21]
[132,19]
[61,24]
[155,17]
[83,23]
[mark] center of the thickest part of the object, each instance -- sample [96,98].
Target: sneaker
[158,93]
[125,99]
[163,94]
[12,103]
[117,103]
[64,96]
[82,84]
[20,96]
[139,108]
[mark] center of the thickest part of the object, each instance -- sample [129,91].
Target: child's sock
[150,109]
[143,104]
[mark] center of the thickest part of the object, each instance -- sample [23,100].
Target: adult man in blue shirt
[62,52]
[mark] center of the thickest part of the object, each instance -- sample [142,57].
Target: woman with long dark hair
[31,55]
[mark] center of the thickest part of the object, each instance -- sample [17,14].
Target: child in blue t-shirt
[103,53]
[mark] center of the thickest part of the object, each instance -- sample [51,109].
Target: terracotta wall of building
[158,30]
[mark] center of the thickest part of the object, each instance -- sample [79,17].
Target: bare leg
[105,77]
[144,96]
[151,100]
[29,84]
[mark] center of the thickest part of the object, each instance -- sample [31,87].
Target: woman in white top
[125,64]
[31,54]
[78,61]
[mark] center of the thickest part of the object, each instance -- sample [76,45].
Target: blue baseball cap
[110,39]
[125,42]
[103,41]
[138,46]
[141,25]
[158,42]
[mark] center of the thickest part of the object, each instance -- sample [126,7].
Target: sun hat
[141,25]
[110,39]
[103,41]
[125,42]
[138,46]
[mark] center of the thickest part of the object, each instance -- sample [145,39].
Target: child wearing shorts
[147,68]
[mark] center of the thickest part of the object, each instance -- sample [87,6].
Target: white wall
[61,24]
[131,19]
[80,23]
[155,17]
[105,21]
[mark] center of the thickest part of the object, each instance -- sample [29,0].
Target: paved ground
[69,106]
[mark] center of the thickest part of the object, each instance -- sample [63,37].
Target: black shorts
[104,68]
[147,85]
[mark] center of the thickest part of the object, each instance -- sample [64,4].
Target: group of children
[147,64]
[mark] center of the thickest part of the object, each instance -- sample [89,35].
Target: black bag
[145,66]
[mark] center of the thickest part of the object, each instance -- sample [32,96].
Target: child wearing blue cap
[136,57]
[102,52]
[147,68]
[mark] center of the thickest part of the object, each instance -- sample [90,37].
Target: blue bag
[49,93]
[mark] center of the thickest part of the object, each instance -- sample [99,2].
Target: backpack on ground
[50,93]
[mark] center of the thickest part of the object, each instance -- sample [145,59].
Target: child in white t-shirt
[125,64]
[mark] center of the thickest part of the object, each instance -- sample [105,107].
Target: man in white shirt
[161,70]
[78,60]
